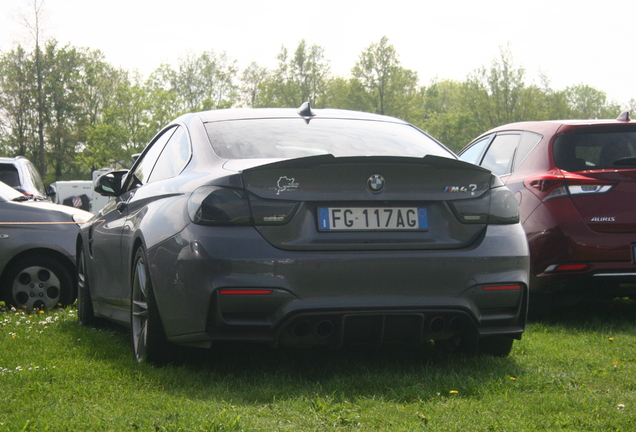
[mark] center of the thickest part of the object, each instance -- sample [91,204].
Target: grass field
[575,372]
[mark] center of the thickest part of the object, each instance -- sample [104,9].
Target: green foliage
[198,83]
[442,114]
[254,80]
[297,79]
[587,102]
[71,112]
[16,103]
[385,86]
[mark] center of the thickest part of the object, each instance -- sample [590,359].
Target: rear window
[292,138]
[594,151]
[9,175]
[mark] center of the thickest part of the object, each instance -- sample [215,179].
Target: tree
[120,125]
[443,114]
[301,78]
[494,95]
[253,79]
[198,83]
[16,103]
[346,93]
[387,88]
[34,25]
[588,103]
[63,113]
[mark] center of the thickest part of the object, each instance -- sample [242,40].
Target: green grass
[576,372]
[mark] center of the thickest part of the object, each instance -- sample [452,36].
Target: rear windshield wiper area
[626,161]
[23,198]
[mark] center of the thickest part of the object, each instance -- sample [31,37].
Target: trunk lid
[611,211]
[328,191]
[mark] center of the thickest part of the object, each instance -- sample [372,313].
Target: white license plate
[372,218]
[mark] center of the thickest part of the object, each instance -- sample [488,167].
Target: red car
[575,181]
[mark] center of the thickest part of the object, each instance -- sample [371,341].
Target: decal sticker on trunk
[285,183]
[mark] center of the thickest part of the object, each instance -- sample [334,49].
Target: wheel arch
[65,260]
[137,243]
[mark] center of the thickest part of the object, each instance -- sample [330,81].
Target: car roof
[552,127]
[11,159]
[263,113]
[546,125]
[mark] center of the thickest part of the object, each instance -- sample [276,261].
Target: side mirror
[110,184]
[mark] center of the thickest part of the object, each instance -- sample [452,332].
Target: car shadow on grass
[619,313]
[391,373]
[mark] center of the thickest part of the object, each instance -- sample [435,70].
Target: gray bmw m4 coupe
[303,227]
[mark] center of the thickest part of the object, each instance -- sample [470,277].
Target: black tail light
[214,205]
[497,206]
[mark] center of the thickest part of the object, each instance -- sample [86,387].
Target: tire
[38,282]
[85,313]
[496,346]
[148,337]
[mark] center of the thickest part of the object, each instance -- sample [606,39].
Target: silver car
[21,174]
[303,227]
[37,250]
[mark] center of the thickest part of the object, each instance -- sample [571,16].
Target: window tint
[599,150]
[499,155]
[34,178]
[9,175]
[290,138]
[473,153]
[147,160]
[173,158]
[528,141]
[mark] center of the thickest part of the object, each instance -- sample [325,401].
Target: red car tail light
[566,268]
[557,183]
[245,291]
[501,287]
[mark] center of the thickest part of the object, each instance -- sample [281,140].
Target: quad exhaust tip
[323,329]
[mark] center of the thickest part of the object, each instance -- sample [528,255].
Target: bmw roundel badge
[375,183]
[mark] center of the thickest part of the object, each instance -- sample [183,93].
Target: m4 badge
[461,189]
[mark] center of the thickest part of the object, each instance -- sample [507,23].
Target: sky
[570,42]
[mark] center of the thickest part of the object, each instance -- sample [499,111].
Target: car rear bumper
[599,279]
[232,285]
[566,255]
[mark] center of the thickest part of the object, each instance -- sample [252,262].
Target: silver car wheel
[39,283]
[139,309]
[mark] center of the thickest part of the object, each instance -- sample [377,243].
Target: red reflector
[570,267]
[502,287]
[245,292]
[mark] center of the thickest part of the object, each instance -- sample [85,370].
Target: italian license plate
[634,253]
[372,218]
